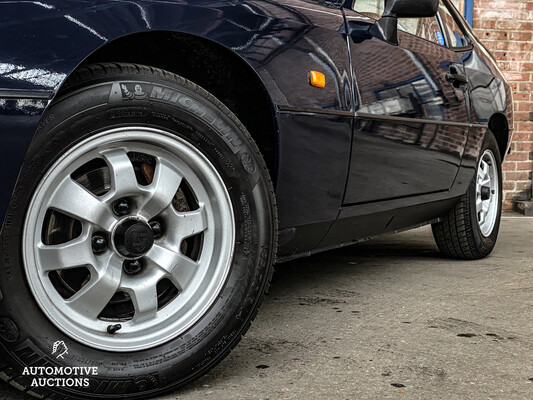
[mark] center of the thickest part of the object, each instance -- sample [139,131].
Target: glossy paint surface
[337,157]
[407,84]
[281,41]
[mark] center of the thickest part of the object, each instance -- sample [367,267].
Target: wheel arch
[499,126]
[212,66]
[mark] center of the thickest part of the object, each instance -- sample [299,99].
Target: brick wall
[506,28]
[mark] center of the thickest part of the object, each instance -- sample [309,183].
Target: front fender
[44,42]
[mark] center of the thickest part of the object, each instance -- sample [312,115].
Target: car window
[456,36]
[426,28]
[370,8]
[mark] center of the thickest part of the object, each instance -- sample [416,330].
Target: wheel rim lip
[487,225]
[172,328]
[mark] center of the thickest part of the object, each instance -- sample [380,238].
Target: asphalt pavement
[387,319]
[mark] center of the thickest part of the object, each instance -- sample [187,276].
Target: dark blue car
[158,157]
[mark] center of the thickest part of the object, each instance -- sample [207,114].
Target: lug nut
[132,267]
[121,207]
[99,244]
[157,229]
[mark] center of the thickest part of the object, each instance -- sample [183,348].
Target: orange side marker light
[317,79]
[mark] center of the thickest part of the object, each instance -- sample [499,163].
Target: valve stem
[112,329]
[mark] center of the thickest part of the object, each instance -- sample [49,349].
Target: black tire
[458,235]
[83,108]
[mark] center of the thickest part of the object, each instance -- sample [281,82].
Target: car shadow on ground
[332,279]
[338,308]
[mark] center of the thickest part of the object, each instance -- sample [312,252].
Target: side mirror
[387,27]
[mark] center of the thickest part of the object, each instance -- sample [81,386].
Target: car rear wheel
[140,239]
[471,228]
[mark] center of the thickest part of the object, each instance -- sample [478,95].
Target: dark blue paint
[326,158]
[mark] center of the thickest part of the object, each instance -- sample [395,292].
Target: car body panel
[399,86]
[325,145]
[282,42]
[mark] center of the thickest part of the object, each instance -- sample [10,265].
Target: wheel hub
[133,238]
[485,193]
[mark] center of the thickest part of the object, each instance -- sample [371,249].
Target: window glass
[370,8]
[426,28]
[456,35]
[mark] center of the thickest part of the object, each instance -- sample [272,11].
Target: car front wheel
[140,239]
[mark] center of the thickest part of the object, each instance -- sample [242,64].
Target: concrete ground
[388,318]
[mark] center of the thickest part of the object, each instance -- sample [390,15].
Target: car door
[411,123]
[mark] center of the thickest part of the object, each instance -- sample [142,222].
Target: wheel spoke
[162,190]
[178,268]
[123,176]
[75,253]
[185,224]
[485,181]
[143,293]
[485,168]
[479,204]
[96,294]
[480,174]
[72,199]
[482,217]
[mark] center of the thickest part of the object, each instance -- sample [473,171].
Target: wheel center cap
[133,238]
[485,193]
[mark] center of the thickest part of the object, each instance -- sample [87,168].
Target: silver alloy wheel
[487,193]
[198,281]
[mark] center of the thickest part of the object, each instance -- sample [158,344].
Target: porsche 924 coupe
[158,157]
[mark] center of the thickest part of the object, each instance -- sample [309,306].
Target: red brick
[523,106]
[503,24]
[521,96]
[525,87]
[488,24]
[516,176]
[516,76]
[520,36]
[509,196]
[522,186]
[509,166]
[527,66]
[520,136]
[522,116]
[519,156]
[496,35]
[509,186]
[525,126]
[523,166]
[524,146]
